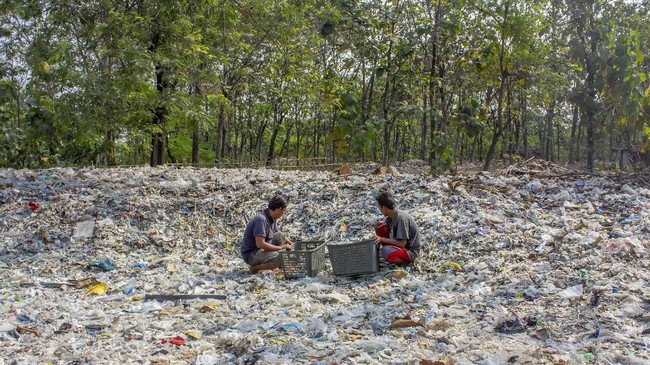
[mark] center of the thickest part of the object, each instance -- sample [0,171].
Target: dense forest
[108,82]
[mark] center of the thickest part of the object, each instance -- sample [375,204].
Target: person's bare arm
[387,241]
[266,246]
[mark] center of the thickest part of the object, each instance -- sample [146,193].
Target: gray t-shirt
[261,225]
[403,227]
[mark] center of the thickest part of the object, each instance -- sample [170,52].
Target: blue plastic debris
[104,264]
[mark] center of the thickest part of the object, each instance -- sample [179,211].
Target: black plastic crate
[354,258]
[306,259]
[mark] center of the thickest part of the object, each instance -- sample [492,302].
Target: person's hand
[377,240]
[288,245]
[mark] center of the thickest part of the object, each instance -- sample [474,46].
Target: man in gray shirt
[262,240]
[401,243]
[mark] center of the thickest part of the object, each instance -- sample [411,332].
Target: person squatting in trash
[262,239]
[398,234]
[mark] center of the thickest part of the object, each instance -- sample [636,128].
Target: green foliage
[342,79]
[351,135]
[443,152]
[468,119]
[646,144]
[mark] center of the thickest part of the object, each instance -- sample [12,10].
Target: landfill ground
[530,264]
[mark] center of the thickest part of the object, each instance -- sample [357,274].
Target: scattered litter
[97,289]
[194,334]
[405,322]
[510,326]
[141,265]
[573,292]
[179,297]
[178,341]
[103,264]
[84,230]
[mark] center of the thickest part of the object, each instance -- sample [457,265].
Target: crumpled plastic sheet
[517,266]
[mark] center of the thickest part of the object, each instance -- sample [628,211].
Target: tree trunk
[172,159]
[110,148]
[160,113]
[158,137]
[558,143]
[509,126]
[221,132]
[472,149]
[249,130]
[591,89]
[385,102]
[524,126]
[287,138]
[16,94]
[591,126]
[433,74]
[548,143]
[157,143]
[503,74]
[460,142]
[425,125]
[518,122]
[368,91]
[316,137]
[298,140]
[278,118]
[196,133]
[498,127]
[332,151]
[579,139]
[260,137]
[572,139]
[612,143]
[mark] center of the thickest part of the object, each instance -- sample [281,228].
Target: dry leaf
[439,325]
[21,330]
[402,323]
[82,283]
[206,309]
[345,170]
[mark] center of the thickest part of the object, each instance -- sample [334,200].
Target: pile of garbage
[531,264]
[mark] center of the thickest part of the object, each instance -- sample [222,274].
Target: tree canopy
[139,81]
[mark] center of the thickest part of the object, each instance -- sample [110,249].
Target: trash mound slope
[531,264]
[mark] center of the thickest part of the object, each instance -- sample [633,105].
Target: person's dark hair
[386,199]
[278,201]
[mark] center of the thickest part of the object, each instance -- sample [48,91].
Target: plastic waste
[573,292]
[493,244]
[33,206]
[103,264]
[84,230]
[97,289]
[111,298]
[510,326]
[178,341]
[631,218]
[290,327]
[370,346]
